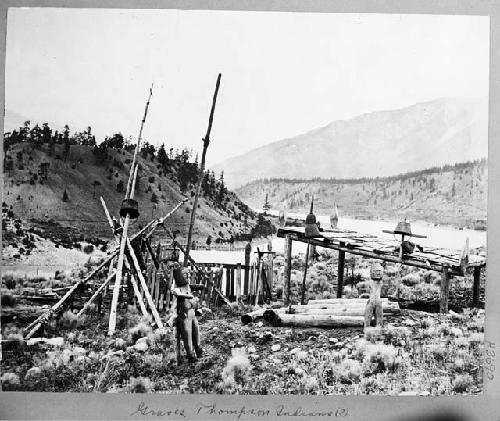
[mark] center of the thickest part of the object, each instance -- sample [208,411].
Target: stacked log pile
[335,312]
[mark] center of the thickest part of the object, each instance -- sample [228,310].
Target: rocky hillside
[47,182]
[451,195]
[424,135]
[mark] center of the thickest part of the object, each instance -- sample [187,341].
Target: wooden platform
[448,262]
[431,258]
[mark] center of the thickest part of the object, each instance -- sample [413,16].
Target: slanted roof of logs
[371,246]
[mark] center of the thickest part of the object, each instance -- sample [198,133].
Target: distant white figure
[282,218]
[334,218]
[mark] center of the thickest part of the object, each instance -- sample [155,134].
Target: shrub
[141,330]
[89,248]
[373,334]
[140,385]
[237,368]
[394,335]
[9,282]
[70,320]
[462,383]
[349,370]
[9,381]
[411,279]
[378,358]
[8,300]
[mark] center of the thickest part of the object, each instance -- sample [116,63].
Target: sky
[283,73]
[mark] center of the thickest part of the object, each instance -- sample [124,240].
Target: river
[437,236]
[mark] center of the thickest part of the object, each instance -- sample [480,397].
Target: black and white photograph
[244,202]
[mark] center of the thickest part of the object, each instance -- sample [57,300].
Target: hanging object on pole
[404,228]
[312,229]
[130,207]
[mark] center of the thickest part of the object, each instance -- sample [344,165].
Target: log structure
[448,262]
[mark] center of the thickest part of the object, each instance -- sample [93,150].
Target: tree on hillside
[65,197]
[120,188]
[266,205]
[94,185]
[25,131]
[162,156]
[222,189]
[154,198]
[46,133]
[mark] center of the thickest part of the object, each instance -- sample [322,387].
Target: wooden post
[135,262]
[445,290]
[119,266]
[248,251]
[340,272]
[303,297]
[238,282]
[206,142]
[288,269]
[476,286]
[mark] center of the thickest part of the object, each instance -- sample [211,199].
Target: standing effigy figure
[184,308]
[374,305]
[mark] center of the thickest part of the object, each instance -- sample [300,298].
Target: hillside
[424,135]
[85,173]
[454,195]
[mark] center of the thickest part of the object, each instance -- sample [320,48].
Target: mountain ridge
[432,133]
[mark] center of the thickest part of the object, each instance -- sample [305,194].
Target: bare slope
[452,195]
[444,131]
[85,179]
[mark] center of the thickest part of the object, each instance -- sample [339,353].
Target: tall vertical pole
[445,290]
[248,251]
[476,286]
[288,268]
[206,142]
[303,298]
[340,272]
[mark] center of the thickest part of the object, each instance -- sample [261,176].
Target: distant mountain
[454,194]
[424,135]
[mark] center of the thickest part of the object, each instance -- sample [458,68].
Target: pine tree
[266,205]
[65,197]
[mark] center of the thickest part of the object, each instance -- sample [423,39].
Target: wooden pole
[131,178]
[206,142]
[248,251]
[149,299]
[36,324]
[288,268]
[303,298]
[238,282]
[476,286]
[119,267]
[340,272]
[445,291]
[373,255]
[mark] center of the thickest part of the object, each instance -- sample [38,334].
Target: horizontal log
[342,300]
[316,320]
[386,305]
[340,311]
[250,317]
[382,255]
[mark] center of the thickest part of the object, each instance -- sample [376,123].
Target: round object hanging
[130,207]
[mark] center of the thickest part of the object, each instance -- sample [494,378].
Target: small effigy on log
[313,320]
